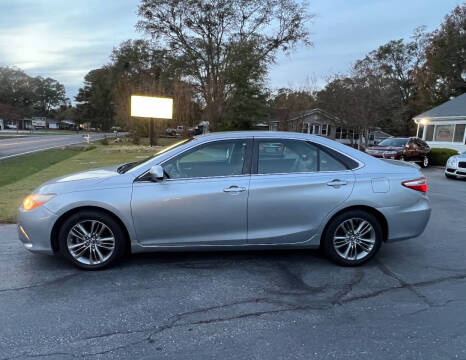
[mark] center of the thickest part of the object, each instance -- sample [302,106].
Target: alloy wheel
[354,239]
[425,162]
[91,242]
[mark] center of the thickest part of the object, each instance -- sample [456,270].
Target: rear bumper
[35,228]
[407,222]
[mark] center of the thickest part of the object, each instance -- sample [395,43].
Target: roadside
[21,175]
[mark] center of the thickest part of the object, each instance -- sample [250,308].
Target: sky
[66,39]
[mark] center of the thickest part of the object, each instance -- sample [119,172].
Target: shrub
[136,139]
[104,141]
[90,147]
[440,156]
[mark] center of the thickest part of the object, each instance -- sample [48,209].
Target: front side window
[394,142]
[220,158]
[293,156]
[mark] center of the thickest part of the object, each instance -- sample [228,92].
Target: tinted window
[329,163]
[286,156]
[221,158]
[395,142]
[292,156]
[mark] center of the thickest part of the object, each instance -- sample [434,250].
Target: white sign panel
[151,107]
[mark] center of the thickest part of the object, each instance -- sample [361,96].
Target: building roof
[306,113]
[456,107]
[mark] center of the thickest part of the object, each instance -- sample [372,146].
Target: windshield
[395,142]
[136,165]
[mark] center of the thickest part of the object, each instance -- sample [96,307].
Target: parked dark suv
[407,149]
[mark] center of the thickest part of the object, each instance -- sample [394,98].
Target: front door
[202,201]
[294,186]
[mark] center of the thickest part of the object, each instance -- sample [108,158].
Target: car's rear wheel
[425,162]
[92,240]
[352,238]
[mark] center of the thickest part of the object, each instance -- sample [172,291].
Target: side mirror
[156,173]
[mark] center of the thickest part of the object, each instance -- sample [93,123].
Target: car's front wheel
[425,162]
[92,240]
[352,238]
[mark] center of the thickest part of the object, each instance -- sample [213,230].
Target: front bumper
[35,229]
[456,171]
[407,222]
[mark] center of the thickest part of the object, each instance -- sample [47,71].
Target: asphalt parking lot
[408,303]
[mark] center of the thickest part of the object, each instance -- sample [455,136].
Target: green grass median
[19,176]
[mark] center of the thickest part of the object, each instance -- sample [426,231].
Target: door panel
[191,212]
[289,208]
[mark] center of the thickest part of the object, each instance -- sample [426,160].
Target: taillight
[416,184]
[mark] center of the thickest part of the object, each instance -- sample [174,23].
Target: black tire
[425,162]
[328,239]
[120,241]
[402,158]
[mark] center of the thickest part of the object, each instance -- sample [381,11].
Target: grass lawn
[19,176]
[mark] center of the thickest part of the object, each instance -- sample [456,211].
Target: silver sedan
[456,166]
[241,190]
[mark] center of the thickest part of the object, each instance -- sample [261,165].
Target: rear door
[294,186]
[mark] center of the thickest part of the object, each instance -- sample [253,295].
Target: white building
[444,125]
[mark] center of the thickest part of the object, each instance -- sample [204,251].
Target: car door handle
[336,182]
[234,189]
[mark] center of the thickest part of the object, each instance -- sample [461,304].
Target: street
[24,145]
[407,303]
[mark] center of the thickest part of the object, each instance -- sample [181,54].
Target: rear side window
[277,156]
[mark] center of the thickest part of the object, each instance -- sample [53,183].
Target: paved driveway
[410,303]
[23,145]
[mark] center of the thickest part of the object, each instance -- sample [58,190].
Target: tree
[443,73]
[95,99]
[9,113]
[205,35]
[31,96]
[16,89]
[48,94]
[140,68]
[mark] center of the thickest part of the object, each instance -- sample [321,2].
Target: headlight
[453,161]
[35,200]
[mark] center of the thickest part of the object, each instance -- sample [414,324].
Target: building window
[444,133]
[315,129]
[459,132]
[306,128]
[429,131]
[325,131]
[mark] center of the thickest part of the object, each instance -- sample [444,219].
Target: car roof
[254,133]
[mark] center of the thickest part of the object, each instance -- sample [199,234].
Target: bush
[440,156]
[136,139]
[90,147]
[104,141]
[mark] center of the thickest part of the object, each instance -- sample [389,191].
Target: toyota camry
[236,190]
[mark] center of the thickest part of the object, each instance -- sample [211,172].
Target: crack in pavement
[45,283]
[403,283]
[301,289]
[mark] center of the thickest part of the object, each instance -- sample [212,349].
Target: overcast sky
[66,39]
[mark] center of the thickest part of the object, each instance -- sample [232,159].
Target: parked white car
[456,166]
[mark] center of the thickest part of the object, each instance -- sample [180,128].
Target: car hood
[78,181]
